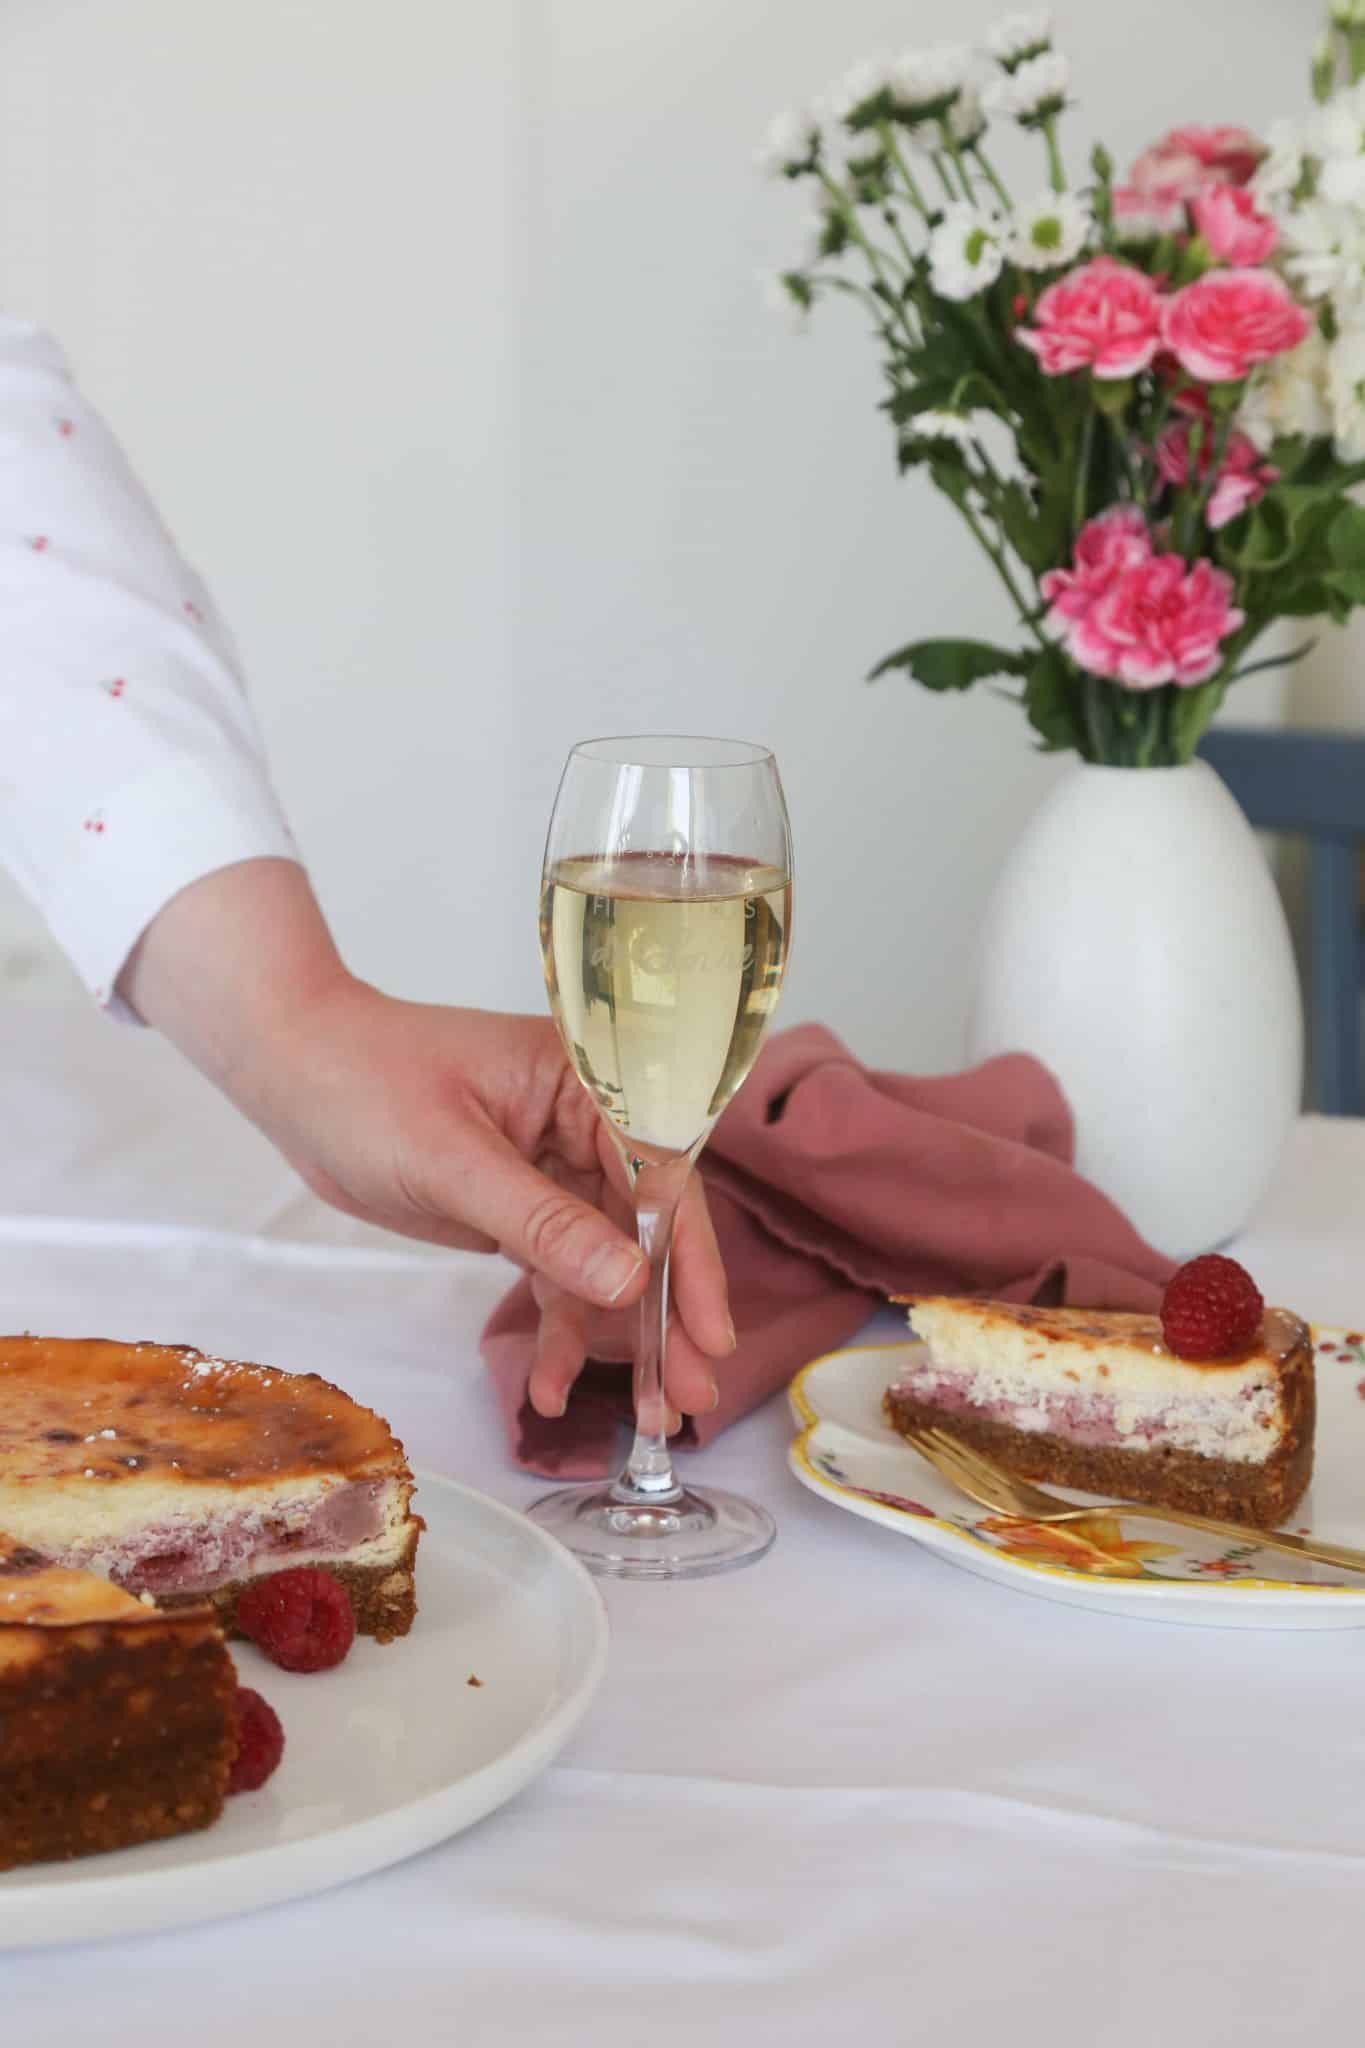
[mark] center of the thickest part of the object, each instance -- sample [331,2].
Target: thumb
[542,1226]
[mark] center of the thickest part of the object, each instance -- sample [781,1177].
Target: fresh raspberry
[301,1618]
[260,1741]
[1211,1308]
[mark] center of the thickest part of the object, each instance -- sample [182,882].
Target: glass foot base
[698,1532]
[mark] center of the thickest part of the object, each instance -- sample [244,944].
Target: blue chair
[1312,784]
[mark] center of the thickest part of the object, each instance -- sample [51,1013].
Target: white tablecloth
[853,1789]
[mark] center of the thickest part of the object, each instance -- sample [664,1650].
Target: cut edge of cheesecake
[188,1476]
[117,1720]
[1093,1399]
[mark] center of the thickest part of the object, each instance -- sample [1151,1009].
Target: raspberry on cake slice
[118,1724]
[191,1478]
[1100,1399]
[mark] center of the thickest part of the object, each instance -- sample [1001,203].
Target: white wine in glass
[665,920]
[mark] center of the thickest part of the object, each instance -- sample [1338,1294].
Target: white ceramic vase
[1136,945]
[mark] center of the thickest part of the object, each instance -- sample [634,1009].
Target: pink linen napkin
[833,1187]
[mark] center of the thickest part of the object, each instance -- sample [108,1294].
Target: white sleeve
[129,760]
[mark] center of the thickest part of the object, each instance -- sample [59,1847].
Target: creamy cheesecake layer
[41,1601]
[191,1538]
[1101,1379]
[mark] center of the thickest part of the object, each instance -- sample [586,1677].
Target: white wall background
[435,330]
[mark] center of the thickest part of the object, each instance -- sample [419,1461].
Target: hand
[461,1127]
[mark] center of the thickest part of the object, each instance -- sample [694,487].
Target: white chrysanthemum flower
[790,140]
[1338,129]
[825,231]
[1341,181]
[1033,93]
[1049,233]
[967,117]
[1020,36]
[851,153]
[788,295]
[1325,250]
[863,83]
[1280,169]
[1346,389]
[942,426]
[966,251]
[925,83]
[1289,395]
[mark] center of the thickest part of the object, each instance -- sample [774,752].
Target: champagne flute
[665,917]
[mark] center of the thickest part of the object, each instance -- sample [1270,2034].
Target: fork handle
[1264,1539]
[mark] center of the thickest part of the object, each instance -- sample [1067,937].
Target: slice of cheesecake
[1094,1399]
[188,1477]
[117,1723]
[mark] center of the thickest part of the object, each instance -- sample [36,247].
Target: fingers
[490,1187]
[698,1277]
[560,1350]
[569,1333]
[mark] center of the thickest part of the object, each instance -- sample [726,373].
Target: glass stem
[648,1476]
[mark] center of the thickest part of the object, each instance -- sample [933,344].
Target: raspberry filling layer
[1240,1424]
[185,1555]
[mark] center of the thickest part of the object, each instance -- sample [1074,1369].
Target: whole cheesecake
[188,1477]
[117,1722]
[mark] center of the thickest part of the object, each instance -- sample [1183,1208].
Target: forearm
[229,967]
[131,763]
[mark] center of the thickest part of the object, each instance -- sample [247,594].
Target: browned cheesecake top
[37,1594]
[91,1409]
[1285,1338]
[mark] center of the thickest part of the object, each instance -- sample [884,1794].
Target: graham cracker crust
[384,1596]
[1258,1495]
[107,1746]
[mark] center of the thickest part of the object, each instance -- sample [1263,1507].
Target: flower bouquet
[1145,397]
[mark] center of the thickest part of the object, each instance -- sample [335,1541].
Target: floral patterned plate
[1120,1564]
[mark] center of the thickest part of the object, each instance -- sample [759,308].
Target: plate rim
[809,1419]
[275,1872]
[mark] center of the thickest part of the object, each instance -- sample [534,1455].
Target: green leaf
[1255,668]
[1191,712]
[1050,701]
[1347,583]
[952,664]
[1037,530]
[1346,539]
[1265,537]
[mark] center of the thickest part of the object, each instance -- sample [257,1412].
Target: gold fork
[987,1483]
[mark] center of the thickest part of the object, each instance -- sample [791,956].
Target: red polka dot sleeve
[130,763]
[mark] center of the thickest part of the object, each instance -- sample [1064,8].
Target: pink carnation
[1158,623]
[1242,476]
[1233,225]
[1222,325]
[1148,210]
[1116,540]
[1105,317]
[1191,160]
[1228,154]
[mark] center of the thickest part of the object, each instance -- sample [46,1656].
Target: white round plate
[392,1751]
[847,1451]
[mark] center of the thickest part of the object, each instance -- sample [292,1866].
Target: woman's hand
[463,1127]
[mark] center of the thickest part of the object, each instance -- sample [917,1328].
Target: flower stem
[889,293]
[950,143]
[893,149]
[1201,504]
[1004,572]
[1056,174]
[1081,493]
[889,216]
[985,165]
